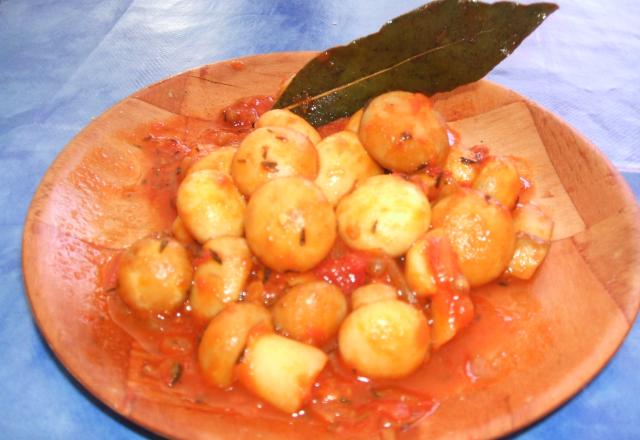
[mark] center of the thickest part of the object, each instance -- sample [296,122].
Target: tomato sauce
[163,355]
[333,127]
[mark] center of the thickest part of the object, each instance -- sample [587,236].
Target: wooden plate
[86,208]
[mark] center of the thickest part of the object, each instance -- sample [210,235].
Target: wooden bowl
[87,208]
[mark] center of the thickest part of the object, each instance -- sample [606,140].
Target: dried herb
[241,357]
[269,165]
[303,237]
[215,256]
[175,374]
[467,161]
[422,167]
[405,136]
[163,244]
[435,48]
[266,275]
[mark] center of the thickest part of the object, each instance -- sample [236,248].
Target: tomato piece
[443,261]
[245,112]
[451,307]
[348,271]
[450,313]
[480,153]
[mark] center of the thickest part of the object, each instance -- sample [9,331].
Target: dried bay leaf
[435,48]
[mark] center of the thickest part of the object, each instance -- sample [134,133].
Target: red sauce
[163,357]
[333,127]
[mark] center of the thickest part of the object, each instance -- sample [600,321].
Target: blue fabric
[62,63]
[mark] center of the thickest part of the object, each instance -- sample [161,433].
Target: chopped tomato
[451,308]
[348,271]
[443,261]
[450,312]
[480,153]
[245,112]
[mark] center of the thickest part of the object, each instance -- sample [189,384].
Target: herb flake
[215,256]
[269,166]
[175,374]
[467,161]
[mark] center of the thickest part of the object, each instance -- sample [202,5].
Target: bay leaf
[434,48]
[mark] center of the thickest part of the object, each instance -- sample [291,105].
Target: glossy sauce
[163,364]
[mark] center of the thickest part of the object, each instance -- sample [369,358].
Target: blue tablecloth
[62,63]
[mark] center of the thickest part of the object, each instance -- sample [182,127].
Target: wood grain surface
[89,206]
